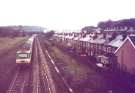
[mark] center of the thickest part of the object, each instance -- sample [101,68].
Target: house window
[124,68]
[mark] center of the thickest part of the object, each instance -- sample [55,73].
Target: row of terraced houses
[113,48]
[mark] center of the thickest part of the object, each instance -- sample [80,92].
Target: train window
[22,55]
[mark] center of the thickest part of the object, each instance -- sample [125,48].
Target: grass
[80,76]
[78,71]
[9,43]
[6,45]
[71,67]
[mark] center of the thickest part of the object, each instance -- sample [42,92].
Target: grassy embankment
[7,44]
[80,76]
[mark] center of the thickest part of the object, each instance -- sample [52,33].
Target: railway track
[40,80]
[48,83]
[37,79]
[49,66]
[36,85]
[20,81]
[70,90]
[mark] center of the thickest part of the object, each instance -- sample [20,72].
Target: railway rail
[41,81]
[36,85]
[20,81]
[45,72]
[38,77]
[61,79]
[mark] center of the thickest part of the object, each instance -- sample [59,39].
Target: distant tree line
[119,23]
[49,34]
[9,32]
[88,29]
[14,31]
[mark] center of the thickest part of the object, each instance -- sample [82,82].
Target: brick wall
[126,57]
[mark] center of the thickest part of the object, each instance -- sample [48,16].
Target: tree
[50,33]
[88,29]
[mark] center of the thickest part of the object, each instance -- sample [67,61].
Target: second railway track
[20,81]
[46,77]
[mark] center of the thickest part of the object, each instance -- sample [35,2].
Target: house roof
[131,39]
[117,41]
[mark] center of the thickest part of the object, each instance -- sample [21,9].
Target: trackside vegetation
[80,77]
[7,43]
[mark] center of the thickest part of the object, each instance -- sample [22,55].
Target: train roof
[28,44]
[23,51]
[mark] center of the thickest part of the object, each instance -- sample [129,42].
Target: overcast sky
[64,14]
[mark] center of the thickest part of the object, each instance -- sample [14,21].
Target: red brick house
[126,55]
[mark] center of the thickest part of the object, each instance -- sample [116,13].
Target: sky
[64,15]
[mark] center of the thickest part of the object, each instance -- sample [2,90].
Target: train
[24,54]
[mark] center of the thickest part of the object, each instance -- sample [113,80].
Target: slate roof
[117,41]
[132,38]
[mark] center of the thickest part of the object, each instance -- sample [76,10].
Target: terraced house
[100,46]
[126,55]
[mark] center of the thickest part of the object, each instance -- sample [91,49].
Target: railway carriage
[24,54]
